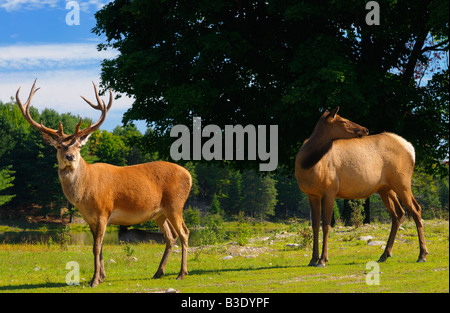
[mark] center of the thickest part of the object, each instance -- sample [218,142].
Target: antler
[26,113]
[100,106]
[79,133]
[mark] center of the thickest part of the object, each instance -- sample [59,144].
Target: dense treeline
[282,62]
[29,180]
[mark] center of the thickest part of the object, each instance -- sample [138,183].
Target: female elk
[106,194]
[341,160]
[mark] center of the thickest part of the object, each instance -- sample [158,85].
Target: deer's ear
[49,139]
[333,112]
[84,139]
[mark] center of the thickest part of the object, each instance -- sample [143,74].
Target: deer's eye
[58,147]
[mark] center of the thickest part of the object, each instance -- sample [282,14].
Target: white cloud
[15,5]
[26,57]
[95,5]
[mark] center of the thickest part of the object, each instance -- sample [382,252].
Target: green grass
[263,264]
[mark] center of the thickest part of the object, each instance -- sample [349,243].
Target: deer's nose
[70,157]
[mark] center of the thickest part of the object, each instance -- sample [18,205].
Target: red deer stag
[341,160]
[106,194]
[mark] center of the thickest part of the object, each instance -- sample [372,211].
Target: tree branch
[436,47]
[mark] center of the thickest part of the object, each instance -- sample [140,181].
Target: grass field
[263,264]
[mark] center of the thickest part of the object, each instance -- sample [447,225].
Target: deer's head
[68,146]
[338,127]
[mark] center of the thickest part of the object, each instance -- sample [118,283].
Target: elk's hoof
[158,274]
[181,276]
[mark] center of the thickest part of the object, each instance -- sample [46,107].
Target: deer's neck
[314,148]
[74,181]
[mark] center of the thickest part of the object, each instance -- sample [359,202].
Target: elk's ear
[333,112]
[325,114]
[84,139]
[49,139]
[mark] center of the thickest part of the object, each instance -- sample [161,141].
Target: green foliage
[336,212]
[259,198]
[63,236]
[191,217]
[218,193]
[213,231]
[304,235]
[108,148]
[128,250]
[357,213]
[5,182]
[243,234]
[429,192]
[214,208]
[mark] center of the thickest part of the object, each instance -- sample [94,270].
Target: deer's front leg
[98,231]
[327,213]
[315,204]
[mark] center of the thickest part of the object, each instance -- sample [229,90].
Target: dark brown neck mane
[313,149]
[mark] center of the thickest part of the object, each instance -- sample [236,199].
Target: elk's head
[68,146]
[340,128]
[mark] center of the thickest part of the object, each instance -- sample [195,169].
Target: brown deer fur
[341,160]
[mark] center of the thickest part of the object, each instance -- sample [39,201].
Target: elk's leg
[396,212]
[315,204]
[414,210]
[176,219]
[170,236]
[327,214]
[98,231]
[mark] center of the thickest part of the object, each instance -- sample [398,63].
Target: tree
[214,208]
[290,200]
[108,148]
[256,62]
[426,193]
[234,193]
[5,182]
[260,196]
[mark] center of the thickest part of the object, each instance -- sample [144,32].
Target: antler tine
[100,106]
[25,108]
[77,127]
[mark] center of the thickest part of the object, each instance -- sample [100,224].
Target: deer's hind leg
[396,212]
[170,236]
[176,219]
[414,209]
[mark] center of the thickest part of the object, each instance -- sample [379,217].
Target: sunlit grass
[262,264]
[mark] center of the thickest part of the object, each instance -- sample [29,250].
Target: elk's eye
[58,147]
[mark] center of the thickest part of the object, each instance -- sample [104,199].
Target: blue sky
[36,42]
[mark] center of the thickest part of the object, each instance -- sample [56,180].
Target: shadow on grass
[32,286]
[240,269]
